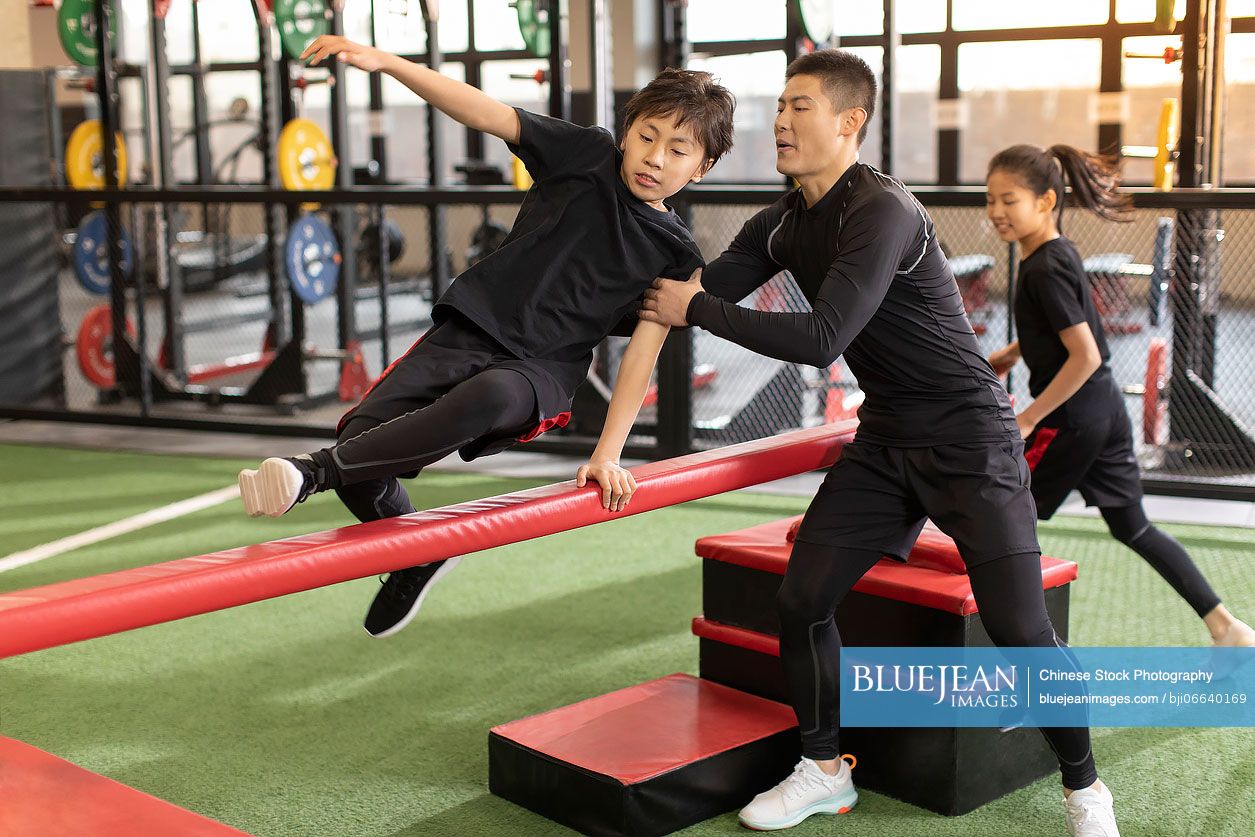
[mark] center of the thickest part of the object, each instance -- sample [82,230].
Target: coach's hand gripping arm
[872,247]
[617,483]
[469,105]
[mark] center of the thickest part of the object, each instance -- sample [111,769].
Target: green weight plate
[299,22]
[76,24]
[817,19]
[534,25]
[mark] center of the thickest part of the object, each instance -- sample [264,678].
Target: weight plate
[306,160]
[76,25]
[91,254]
[300,22]
[1154,405]
[313,259]
[84,156]
[817,19]
[93,346]
[534,25]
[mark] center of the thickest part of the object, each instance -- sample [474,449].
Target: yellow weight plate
[306,160]
[84,156]
[1166,144]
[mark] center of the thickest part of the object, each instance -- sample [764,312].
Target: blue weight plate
[313,259]
[91,257]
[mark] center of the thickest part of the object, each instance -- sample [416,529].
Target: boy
[513,336]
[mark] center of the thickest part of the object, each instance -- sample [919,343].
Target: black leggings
[370,454]
[1008,594]
[1130,526]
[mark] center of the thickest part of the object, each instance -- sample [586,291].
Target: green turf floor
[284,718]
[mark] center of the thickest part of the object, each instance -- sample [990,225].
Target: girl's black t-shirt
[1054,294]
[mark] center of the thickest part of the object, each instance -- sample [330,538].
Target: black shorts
[451,352]
[877,498]
[1096,459]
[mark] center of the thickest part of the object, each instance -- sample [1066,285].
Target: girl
[1077,432]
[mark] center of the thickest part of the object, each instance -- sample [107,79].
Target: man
[937,435]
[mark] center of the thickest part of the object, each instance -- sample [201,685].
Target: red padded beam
[58,614]
[42,794]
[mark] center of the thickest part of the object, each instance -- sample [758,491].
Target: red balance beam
[58,614]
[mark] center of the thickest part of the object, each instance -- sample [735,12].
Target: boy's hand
[667,302]
[617,484]
[358,55]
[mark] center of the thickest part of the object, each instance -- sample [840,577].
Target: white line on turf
[119,527]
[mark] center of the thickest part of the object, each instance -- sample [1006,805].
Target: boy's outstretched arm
[469,105]
[617,484]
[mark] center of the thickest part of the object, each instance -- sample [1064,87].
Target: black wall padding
[30,321]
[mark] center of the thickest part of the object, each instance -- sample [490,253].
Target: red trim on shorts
[344,418]
[1041,440]
[560,420]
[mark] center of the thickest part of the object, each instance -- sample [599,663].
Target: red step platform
[43,795]
[924,602]
[646,760]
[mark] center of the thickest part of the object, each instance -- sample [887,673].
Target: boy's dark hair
[1094,178]
[846,78]
[691,96]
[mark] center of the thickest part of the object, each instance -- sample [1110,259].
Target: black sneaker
[398,601]
[277,485]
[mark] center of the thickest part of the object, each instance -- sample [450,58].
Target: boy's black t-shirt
[1054,294]
[582,252]
[866,257]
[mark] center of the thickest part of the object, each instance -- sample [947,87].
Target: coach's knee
[799,605]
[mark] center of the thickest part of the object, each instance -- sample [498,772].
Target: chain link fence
[1175,290]
[230,341]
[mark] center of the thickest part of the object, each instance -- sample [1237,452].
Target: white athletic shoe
[1091,813]
[276,486]
[807,790]
[1239,635]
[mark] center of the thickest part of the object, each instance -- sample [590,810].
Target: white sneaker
[1239,635]
[1091,813]
[276,486]
[807,790]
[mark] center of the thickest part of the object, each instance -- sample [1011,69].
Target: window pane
[1238,149]
[915,143]
[998,14]
[756,80]
[227,30]
[454,33]
[405,129]
[399,27]
[179,33]
[735,20]
[497,26]
[1007,102]
[921,15]
[1135,11]
[357,21]
[133,32]
[867,18]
